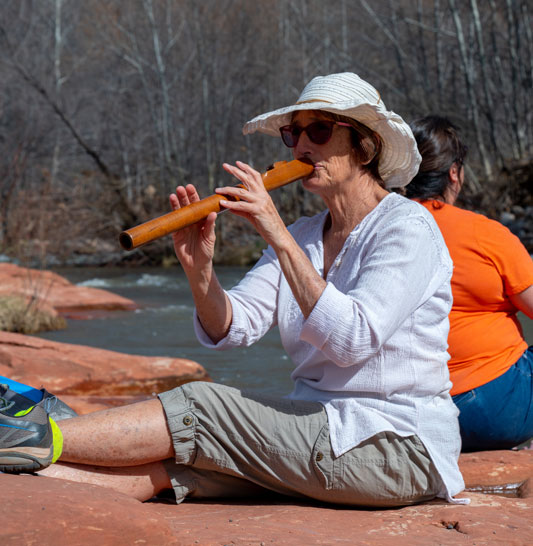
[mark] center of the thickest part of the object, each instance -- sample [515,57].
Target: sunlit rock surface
[57,292]
[40,510]
[49,512]
[88,378]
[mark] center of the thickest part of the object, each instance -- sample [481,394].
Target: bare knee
[125,436]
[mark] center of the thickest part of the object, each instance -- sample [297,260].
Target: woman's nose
[304,145]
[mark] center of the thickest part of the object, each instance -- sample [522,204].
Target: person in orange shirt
[491,366]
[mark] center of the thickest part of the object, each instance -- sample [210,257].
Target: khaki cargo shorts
[232,443]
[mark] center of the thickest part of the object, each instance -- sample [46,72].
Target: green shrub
[24,316]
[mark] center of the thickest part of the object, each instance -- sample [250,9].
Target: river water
[162,326]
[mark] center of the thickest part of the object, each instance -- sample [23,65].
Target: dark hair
[367,145]
[440,147]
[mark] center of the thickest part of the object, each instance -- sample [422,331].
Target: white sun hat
[348,95]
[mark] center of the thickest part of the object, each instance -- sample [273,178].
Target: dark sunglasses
[319,132]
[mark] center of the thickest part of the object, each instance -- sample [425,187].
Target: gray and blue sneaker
[56,408]
[29,439]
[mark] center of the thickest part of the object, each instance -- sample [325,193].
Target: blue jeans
[499,414]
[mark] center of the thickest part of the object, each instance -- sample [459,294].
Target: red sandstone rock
[63,368]
[89,403]
[490,470]
[57,292]
[46,511]
[487,520]
[39,510]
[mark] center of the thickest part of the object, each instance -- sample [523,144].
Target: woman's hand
[194,245]
[255,203]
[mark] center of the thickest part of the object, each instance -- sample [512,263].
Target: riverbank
[509,201]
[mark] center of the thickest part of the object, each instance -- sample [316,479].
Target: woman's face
[334,162]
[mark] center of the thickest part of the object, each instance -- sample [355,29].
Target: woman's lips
[305,160]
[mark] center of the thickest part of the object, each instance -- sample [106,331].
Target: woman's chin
[311,183]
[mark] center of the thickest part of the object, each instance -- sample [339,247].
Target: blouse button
[319,456]
[187,420]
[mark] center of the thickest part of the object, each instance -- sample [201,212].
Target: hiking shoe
[29,440]
[56,408]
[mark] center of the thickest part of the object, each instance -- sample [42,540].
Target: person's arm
[511,260]
[254,303]
[523,301]
[194,247]
[306,284]
[257,207]
[213,307]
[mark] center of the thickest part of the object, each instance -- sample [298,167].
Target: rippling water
[162,326]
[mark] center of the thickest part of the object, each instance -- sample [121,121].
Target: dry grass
[25,317]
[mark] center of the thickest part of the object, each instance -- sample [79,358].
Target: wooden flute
[281,173]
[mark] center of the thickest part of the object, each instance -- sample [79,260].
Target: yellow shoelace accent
[58,440]
[57,435]
[23,412]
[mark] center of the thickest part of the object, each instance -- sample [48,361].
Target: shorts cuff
[180,478]
[181,423]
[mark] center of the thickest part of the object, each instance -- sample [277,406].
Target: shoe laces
[5,405]
[49,403]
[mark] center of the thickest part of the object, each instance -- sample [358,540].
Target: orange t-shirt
[490,264]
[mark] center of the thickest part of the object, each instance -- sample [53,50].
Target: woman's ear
[456,177]
[369,149]
[454,173]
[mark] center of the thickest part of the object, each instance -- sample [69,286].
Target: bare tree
[108,105]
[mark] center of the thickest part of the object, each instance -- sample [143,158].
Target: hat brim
[399,160]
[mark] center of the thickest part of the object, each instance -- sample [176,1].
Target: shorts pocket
[464,399]
[328,468]
[524,365]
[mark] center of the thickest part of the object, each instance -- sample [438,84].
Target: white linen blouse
[374,349]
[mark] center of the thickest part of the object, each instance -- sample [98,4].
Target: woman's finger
[174,203]
[192,193]
[254,177]
[245,174]
[185,195]
[234,191]
[239,174]
[181,196]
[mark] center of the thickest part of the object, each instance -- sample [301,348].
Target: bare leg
[140,482]
[120,437]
